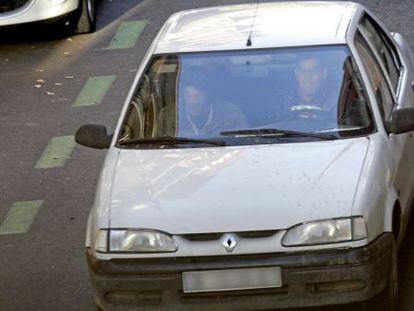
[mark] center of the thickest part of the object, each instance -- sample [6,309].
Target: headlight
[326,231]
[134,241]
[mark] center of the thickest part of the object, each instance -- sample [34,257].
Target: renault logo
[229,242]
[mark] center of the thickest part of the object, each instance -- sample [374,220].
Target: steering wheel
[309,112]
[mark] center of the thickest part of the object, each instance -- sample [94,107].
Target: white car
[77,15]
[263,159]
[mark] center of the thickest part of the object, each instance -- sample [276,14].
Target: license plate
[232,279]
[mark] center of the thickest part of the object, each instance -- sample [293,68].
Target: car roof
[274,24]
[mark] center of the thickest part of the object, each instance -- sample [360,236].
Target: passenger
[205,114]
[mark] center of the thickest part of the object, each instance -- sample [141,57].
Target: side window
[375,75]
[383,47]
[353,111]
[152,111]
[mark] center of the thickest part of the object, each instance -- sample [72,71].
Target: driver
[311,96]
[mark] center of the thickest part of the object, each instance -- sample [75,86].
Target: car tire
[87,17]
[387,300]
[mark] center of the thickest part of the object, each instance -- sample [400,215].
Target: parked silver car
[263,159]
[77,15]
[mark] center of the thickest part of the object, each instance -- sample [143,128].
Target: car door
[398,78]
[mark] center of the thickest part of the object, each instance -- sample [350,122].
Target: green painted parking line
[94,91]
[127,35]
[57,152]
[20,217]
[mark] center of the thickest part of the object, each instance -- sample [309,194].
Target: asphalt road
[41,76]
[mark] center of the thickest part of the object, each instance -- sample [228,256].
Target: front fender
[375,195]
[100,214]
[391,199]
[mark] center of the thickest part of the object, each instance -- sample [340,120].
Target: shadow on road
[110,10]
[406,272]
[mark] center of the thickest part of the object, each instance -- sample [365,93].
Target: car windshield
[247,97]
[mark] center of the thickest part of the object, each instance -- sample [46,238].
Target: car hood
[231,189]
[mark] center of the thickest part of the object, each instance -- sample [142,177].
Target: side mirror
[93,136]
[402,121]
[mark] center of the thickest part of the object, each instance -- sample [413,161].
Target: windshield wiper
[271,132]
[170,140]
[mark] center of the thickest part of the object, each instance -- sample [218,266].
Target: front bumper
[38,10]
[314,278]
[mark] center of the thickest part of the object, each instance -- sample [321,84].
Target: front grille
[11,5]
[200,237]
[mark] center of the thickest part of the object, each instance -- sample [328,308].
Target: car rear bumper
[38,10]
[314,278]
